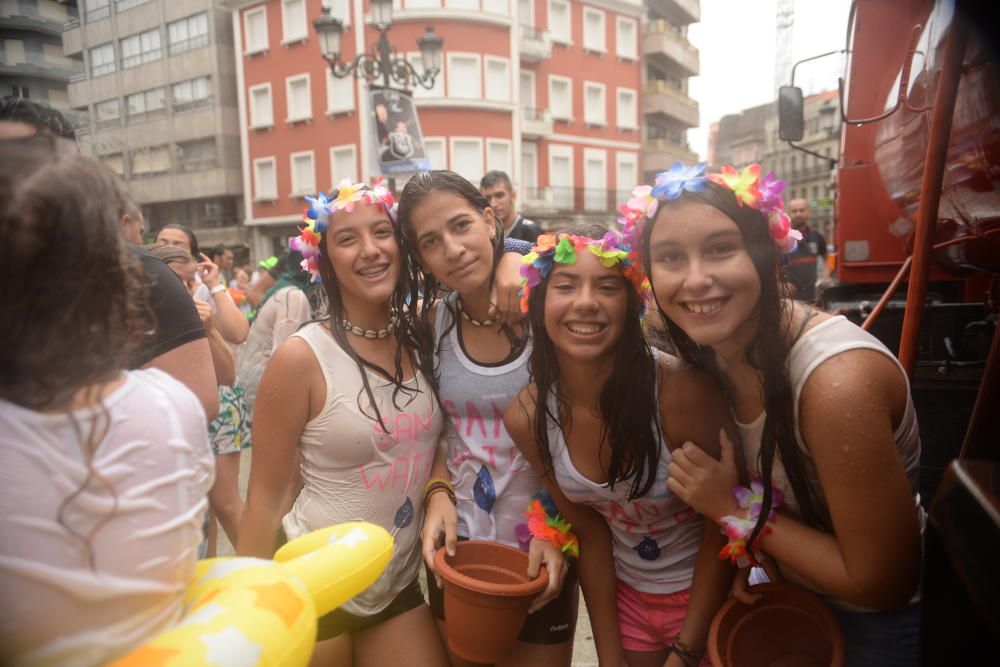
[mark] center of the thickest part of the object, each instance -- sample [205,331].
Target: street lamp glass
[328,29]
[430,50]
[382,12]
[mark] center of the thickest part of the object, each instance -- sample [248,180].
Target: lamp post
[382,61]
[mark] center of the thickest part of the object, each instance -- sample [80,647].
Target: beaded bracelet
[436,484]
[688,656]
[546,525]
[739,529]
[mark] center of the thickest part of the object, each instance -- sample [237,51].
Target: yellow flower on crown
[744,185]
[347,194]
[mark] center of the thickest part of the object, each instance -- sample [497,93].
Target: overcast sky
[736,39]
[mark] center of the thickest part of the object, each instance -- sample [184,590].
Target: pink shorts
[650,621]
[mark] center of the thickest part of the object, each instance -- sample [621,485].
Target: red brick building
[546,90]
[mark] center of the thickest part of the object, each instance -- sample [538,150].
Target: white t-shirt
[141,514]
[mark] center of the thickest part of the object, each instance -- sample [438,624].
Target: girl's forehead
[690,221]
[363,215]
[586,265]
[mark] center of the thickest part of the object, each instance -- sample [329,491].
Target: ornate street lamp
[382,61]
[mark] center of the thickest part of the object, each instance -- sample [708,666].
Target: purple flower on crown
[770,193]
[680,177]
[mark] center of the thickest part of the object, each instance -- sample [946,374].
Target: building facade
[547,90]
[32,62]
[158,103]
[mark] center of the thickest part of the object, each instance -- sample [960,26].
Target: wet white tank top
[493,482]
[821,343]
[655,538]
[355,469]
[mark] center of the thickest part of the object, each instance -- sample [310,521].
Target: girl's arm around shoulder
[291,393]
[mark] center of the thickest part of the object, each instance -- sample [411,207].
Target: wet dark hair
[423,284]
[496,177]
[766,352]
[76,306]
[216,251]
[407,341]
[39,116]
[630,413]
[192,239]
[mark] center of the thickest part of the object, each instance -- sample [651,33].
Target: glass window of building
[102,60]
[192,94]
[108,113]
[141,48]
[188,33]
[146,105]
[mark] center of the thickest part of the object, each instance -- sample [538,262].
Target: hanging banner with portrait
[399,142]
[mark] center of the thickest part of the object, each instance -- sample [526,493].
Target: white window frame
[495,96]
[340,9]
[559,36]
[343,106]
[507,168]
[626,51]
[456,55]
[336,177]
[528,74]
[261,123]
[295,78]
[601,43]
[297,189]
[482,154]
[626,123]
[562,151]
[462,5]
[113,62]
[595,196]
[623,189]
[265,196]
[190,41]
[250,49]
[529,151]
[492,7]
[569,87]
[442,145]
[528,20]
[589,117]
[288,36]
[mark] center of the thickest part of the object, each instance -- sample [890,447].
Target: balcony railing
[188,44]
[189,105]
[141,58]
[144,116]
[564,198]
[536,44]
[198,164]
[98,13]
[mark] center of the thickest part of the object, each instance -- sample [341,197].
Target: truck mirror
[791,123]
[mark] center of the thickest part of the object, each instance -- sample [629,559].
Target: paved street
[583,648]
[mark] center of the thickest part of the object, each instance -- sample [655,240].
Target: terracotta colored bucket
[486,597]
[788,627]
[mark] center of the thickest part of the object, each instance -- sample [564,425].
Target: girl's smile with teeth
[585,328]
[704,307]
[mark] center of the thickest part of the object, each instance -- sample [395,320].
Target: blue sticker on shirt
[648,549]
[404,515]
[483,490]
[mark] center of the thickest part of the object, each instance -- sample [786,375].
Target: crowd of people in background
[442,368]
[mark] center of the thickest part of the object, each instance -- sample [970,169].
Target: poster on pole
[399,142]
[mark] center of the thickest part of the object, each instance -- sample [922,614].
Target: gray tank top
[493,482]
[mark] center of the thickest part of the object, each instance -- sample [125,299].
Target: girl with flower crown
[350,396]
[455,245]
[601,421]
[823,410]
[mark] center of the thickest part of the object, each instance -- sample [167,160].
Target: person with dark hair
[499,192]
[179,235]
[455,243]
[104,471]
[601,420]
[348,397]
[39,116]
[823,409]
[809,256]
[222,257]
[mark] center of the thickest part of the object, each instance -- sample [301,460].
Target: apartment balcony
[180,185]
[660,98]
[536,44]
[51,23]
[535,123]
[678,12]
[659,154]
[38,66]
[663,45]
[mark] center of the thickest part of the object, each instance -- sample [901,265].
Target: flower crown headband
[611,250]
[763,195]
[317,217]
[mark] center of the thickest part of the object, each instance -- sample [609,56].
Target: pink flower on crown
[770,193]
[780,227]
[643,201]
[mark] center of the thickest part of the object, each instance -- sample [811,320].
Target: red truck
[917,232]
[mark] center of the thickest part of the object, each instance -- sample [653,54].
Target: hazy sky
[736,39]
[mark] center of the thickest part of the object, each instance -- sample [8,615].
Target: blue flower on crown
[319,210]
[680,177]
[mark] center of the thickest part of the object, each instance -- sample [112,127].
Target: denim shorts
[881,639]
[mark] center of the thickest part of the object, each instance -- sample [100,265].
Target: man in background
[803,265]
[499,191]
[222,257]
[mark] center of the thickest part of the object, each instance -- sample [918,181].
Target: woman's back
[92,566]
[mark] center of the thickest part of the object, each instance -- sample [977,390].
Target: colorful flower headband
[321,207]
[761,195]
[611,250]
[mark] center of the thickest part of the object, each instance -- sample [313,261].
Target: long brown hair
[71,293]
[766,352]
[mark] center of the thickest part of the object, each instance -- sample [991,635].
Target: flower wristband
[739,529]
[545,524]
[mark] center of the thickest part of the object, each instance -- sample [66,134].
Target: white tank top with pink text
[356,469]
